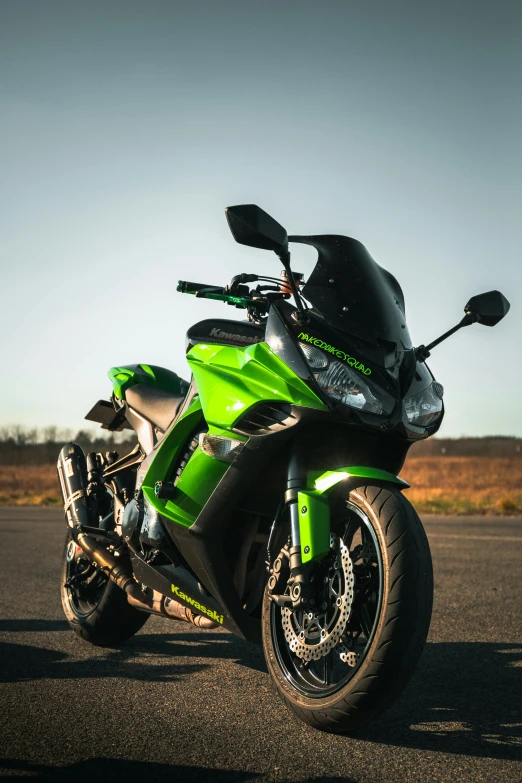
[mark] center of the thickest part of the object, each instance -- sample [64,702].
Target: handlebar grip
[214,292]
[192,288]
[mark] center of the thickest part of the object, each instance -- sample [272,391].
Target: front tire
[388,589]
[96,609]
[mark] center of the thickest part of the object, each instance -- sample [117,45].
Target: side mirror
[488,308]
[251,225]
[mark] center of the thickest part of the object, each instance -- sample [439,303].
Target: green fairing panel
[314,508]
[200,477]
[231,380]
[131,374]
[314,525]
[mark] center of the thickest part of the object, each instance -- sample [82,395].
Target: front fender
[314,505]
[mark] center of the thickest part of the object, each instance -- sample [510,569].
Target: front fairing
[393,370]
[354,294]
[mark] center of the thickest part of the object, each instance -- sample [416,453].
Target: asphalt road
[179,704]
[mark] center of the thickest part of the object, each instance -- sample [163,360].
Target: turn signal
[220,448]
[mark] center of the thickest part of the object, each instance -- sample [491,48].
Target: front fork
[309,506]
[295,483]
[307,500]
[309,541]
[309,516]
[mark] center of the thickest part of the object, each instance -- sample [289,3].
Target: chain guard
[332,630]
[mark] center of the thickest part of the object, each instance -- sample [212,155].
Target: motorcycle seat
[157,405]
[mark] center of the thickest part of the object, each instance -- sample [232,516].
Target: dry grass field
[29,485]
[440,485]
[464,485]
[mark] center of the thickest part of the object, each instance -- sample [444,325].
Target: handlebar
[192,288]
[215,292]
[239,295]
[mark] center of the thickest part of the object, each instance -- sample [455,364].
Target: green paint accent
[197,482]
[355,363]
[322,482]
[329,480]
[195,485]
[231,380]
[314,525]
[131,374]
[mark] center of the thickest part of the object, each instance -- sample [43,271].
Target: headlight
[423,405]
[344,384]
[315,358]
[424,408]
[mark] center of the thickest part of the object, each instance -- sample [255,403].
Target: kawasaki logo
[340,354]
[241,338]
[197,606]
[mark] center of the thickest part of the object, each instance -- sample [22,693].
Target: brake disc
[311,635]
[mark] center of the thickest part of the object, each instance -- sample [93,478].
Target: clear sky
[127,127]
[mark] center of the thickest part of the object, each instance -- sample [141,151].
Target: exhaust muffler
[154,602]
[78,505]
[81,512]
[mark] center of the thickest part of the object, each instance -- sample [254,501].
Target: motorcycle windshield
[353,293]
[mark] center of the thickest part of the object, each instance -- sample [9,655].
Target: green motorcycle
[263,496]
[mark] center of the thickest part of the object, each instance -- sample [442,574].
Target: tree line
[489,446]
[40,446]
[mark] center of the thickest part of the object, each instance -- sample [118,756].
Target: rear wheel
[96,609]
[346,658]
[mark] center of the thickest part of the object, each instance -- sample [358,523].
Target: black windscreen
[353,293]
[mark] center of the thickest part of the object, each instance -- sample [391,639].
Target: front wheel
[339,663]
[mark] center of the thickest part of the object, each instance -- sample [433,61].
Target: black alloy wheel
[359,578]
[349,656]
[96,609]
[84,584]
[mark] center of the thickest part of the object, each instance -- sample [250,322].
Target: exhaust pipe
[109,565]
[80,511]
[154,602]
[179,612]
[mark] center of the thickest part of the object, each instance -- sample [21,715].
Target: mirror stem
[423,351]
[284,257]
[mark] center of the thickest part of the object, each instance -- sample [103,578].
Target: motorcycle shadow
[134,772]
[120,769]
[201,644]
[20,662]
[464,698]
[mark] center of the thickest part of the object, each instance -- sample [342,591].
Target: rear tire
[97,611]
[401,619]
